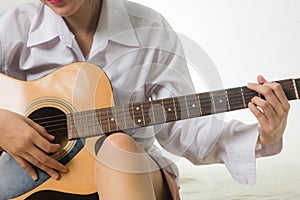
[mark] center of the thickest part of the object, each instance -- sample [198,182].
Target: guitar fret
[143,114]
[99,120]
[129,117]
[125,122]
[153,115]
[81,126]
[199,103]
[72,131]
[78,124]
[83,123]
[175,109]
[227,100]
[94,121]
[131,111]
[212,103]
[182,108]
[163,110]
[108,121]
[187,107]
[146,110]
[113,120]
[87,129]
[120,117]
[243,96]
[295,89]
[297,81]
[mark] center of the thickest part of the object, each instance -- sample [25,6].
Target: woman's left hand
[271,112]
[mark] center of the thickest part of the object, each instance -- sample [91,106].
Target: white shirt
[143,58]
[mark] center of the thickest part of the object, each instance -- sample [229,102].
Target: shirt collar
[42,30]
[114,24]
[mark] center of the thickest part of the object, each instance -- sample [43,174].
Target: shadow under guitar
[54,195]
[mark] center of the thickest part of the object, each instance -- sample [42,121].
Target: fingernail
[64,169]
[34,177]
[55,176]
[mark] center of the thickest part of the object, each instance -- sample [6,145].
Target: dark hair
[96,6]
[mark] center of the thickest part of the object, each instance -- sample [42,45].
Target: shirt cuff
[264,150]
[238,143]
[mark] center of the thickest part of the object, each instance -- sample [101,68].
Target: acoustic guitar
[75,104]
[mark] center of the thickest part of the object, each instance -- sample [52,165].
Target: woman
[143,58]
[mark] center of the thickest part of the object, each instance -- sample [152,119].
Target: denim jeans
[15,181]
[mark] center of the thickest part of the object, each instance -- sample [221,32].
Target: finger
[44,144]
[258,113]
[27,167]
[268,93]
[41,159]
[41,130]
[41,165]
[266,107]
[276,87]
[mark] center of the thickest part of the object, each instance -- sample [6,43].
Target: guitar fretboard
[131,116]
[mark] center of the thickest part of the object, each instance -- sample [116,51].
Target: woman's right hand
[27,142]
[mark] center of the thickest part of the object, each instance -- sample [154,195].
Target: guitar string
[247,95]
[202,99]
[236,91]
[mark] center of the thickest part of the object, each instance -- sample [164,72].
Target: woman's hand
[28,142]
[271,112]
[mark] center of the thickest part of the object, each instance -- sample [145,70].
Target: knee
[123,142]
[120,152]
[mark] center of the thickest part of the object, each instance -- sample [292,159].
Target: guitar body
[72,88]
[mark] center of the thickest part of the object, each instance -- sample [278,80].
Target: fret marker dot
[112,119]
[137,108]
[220,101]
[169,109]
[193,105]
[139,120]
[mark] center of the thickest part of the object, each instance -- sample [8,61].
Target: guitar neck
[126,117]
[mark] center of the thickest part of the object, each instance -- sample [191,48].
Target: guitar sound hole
[55,122]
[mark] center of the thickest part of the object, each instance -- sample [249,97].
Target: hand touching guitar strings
[271,112]
[28,142]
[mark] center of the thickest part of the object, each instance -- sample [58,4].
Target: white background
[243,38]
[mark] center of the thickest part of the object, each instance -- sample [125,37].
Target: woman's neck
[85,20]
[83,24]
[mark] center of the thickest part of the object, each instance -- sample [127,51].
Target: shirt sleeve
[204,140]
